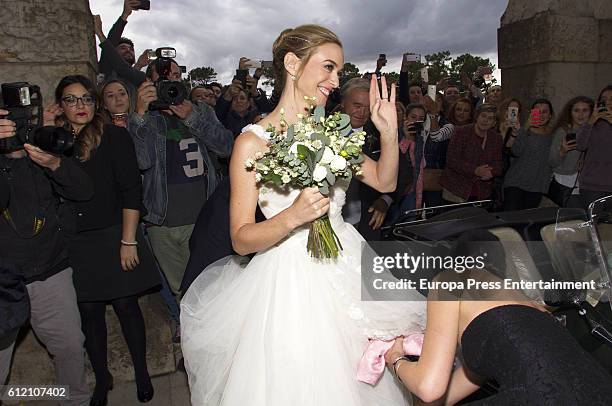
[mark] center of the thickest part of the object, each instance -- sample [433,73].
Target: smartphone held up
[410,57]
[601,106]
[431,92]
[144,5]
[535,117]
[257,64]
[512,114]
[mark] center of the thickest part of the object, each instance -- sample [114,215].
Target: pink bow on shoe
[372,364]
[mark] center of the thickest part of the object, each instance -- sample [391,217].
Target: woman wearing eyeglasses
[110,265]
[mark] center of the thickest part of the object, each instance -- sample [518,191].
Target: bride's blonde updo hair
[302,41]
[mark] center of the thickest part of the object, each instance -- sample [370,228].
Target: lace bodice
[273,200]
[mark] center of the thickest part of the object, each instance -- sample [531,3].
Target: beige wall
[43,40]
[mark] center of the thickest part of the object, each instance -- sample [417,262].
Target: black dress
[95,226]
[534,360]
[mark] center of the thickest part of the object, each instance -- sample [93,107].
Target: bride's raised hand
[382,109]
[309,206]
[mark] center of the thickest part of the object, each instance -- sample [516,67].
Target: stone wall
[555,49]
[41,41]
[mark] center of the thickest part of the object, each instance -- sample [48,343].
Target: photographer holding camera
[173,137]
[118,60]
[31,238]
[14,302]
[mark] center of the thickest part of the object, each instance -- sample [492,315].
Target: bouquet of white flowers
[314,152]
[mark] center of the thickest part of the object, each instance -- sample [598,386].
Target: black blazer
[368,195]
[114,172]
[210,239]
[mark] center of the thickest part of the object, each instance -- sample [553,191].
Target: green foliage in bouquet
[316,151]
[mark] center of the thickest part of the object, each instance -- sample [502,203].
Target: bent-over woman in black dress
[110,266]
[503,336]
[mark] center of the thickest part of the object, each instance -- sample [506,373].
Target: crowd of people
[142,205]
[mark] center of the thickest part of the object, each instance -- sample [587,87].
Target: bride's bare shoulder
[249,141]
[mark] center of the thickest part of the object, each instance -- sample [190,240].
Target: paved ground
[170,390]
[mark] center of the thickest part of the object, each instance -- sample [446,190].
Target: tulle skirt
[284,329]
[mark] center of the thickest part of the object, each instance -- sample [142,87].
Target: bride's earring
[293,77]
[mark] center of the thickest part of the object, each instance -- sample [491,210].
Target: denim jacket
[149,135]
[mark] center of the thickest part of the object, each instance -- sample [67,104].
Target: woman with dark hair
[503,336]
[117,101]
[461,112]
[529,174]
[564,157]
[110,263]
[595,139]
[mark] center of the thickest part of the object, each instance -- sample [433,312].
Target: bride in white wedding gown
[285,329]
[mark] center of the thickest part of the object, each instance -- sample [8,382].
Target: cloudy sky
[218,32]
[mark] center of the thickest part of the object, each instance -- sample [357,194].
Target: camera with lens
[24,104]
[169,93]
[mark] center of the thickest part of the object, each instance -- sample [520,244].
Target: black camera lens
[55,140]
[171,93]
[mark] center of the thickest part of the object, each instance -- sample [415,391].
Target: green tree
[439,65]
[202,75]
[414,71]
[392,77]
[349,71]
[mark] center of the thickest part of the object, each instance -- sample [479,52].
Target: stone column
[41,41]
[556,49]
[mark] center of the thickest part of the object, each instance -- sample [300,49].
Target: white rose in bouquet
[328,155]
[319,173]
[338,164]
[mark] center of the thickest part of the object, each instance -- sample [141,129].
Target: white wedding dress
[285,329]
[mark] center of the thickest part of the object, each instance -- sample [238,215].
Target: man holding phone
[118,60]
[233,108]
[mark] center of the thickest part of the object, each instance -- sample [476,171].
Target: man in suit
[210,239]
[364,204]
